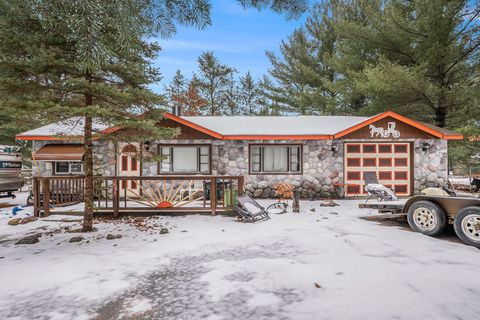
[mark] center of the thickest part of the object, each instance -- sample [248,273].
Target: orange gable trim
[217,135]
[193,125]
[398,117]
[33,138]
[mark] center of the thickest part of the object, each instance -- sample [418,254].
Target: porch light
[425,146]
[147,145]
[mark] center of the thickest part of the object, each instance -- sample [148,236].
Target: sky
[237,36]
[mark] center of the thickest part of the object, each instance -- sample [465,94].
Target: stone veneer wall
[321,166]
[430,166]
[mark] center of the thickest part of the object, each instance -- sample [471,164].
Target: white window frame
[203,160]
[70,172]
[293,158]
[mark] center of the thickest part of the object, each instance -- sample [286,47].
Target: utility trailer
[431,214]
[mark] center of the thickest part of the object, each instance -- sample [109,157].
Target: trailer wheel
[427,217]
[467,225]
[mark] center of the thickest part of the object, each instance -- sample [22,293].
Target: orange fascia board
[453,137]
[35,138]
[110,130]
[277,137]
[51,138]
[394,115]
[193,125]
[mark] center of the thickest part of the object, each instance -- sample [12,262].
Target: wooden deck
[153,195]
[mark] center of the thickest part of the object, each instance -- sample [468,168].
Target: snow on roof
[276,125]
[69,127]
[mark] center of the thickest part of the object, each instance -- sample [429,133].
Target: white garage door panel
[390,161]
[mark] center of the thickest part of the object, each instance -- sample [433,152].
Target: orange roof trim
[217,135]
[278,137]
[34,138]
[398,117]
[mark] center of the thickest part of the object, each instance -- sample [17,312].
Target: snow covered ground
[326,264]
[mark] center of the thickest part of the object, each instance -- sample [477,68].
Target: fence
[117,195]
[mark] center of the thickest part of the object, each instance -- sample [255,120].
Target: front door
[129,166]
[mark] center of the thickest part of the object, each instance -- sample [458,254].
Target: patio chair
[249,209]
[376,190]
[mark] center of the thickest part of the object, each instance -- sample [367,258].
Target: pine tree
[248,94]
[214,79]
[91,58]
[175,90]
[427,56]
[232,97]
[304,77]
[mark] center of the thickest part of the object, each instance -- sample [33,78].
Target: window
[353,175]
[401,175]
[385,175]
[401,162]
[353,148]
[184,159]
[385,148]
[401,148]
[353,162]
[65,167]
[369,162]
[385,162]
[275,159]
[369,148]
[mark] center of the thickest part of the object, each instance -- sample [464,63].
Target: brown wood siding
[186,133]
[406,131]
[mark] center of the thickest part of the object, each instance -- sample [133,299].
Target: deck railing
[115,195]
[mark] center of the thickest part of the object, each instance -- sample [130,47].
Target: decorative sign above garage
[381,132]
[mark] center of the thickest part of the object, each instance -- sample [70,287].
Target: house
[318,154]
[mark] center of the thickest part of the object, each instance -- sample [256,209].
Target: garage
[390,161]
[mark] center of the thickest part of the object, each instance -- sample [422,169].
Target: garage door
[390,161]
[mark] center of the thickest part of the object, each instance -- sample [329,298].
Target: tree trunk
[88,165]
[441,113]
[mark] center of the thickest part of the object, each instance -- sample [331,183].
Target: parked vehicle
[431,214]
[11,179]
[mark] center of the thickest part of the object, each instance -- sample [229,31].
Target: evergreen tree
[214,79]
[306,79]
[428,56]
[91,58]
[248,94]
[232,97]
[175,90]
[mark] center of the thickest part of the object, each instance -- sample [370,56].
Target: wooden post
[241,183]
[46,196]
[296,201]
[36,197]
[213,195]
[115,197]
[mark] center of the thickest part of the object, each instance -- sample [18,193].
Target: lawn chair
[376,190]
[249,209]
